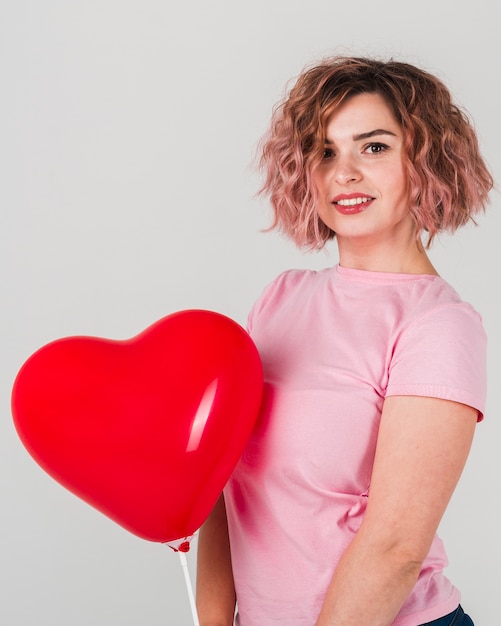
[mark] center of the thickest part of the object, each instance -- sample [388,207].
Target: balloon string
[189,588]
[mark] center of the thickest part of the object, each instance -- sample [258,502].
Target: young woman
[374,369]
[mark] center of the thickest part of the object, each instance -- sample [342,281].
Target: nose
[346,170]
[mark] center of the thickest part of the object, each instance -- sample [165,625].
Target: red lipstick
[352,203]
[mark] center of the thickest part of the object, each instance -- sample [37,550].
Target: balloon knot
[180,545]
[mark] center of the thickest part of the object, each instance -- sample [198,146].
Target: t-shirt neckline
[374,276]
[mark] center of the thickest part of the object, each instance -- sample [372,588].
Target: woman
[374,369]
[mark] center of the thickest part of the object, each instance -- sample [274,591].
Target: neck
[404,258]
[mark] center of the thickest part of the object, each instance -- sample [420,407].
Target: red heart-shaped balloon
[147,430]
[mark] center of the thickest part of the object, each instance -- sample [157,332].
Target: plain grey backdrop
[127,134]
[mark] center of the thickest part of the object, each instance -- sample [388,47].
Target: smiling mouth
[349,202]
[352,206]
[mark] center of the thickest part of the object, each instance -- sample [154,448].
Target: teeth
[353,201]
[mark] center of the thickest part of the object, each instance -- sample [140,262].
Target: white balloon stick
[189,588]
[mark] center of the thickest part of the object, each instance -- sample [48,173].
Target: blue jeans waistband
[456,618]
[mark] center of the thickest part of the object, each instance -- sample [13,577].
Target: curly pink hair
[449,181]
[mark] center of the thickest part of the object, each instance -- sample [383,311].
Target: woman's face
[362,181]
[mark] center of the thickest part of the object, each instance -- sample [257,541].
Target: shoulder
[290,280]
[282,289]
[427,303]
[439,310]
[440,321]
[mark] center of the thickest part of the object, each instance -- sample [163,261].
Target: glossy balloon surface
[146,430]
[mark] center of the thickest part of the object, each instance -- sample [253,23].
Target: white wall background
[127,131]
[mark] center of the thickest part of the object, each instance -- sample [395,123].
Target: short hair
[449,181]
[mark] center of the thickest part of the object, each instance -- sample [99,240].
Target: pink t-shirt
[334,344]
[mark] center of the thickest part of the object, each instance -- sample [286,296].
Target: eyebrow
[368,135]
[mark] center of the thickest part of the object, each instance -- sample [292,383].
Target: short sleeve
[442,355]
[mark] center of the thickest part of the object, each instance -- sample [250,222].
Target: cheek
[400,186]
[318,182]
[324,213]
[404,189]
[405,181]
[324,194]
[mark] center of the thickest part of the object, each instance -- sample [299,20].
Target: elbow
[404,561]
[399,552]
[399,556]
[408,566]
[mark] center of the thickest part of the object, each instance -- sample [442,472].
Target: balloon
[147,430]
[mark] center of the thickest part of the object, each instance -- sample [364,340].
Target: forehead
[362,113]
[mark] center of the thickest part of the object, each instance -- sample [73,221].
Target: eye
[376,148]
[328,153]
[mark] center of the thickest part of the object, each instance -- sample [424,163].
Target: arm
[215,588]
[422,447]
